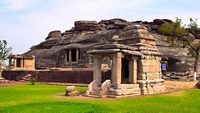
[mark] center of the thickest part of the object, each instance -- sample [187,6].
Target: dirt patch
[13,83]
[177,85]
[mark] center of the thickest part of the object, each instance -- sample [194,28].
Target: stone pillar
[10,62]
[22,63]
[66,56]
[77,55]
[33,63]
[15,63]
[133,71]
[97,69]
[70,56]
[116,68]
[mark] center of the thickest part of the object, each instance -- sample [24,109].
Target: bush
[32,80]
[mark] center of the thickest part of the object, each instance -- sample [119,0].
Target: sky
[24,23]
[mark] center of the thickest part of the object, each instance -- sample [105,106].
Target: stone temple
[135,65]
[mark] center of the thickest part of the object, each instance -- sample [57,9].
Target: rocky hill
[86,34]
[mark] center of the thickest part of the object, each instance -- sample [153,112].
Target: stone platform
[120,90]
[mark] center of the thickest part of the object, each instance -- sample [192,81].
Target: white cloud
[15,5]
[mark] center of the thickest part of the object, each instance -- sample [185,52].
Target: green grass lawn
[45,99]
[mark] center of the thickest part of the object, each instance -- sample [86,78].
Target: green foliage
[4,51]
[173,29]
[179,36]
[193,24]
[51,99]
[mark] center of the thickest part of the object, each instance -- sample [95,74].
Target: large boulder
[196,33]
[54,34]
[116,23]
[71,91]
[161,21]
[85,25]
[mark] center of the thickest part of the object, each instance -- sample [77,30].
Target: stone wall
[76,76]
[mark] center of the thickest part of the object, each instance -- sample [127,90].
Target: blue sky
[24,23]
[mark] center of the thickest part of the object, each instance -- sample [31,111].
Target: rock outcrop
[54,34]
[86,34]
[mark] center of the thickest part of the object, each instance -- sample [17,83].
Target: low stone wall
[65,76]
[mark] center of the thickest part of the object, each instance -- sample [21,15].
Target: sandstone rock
[145,22]
[131,27]
[54,34]
[138,22]
[71,91]
[112,26]
[168,20]
[106,22]
[155,27]
[85,25]
[117,20]
[74,93]
[114,23]
[158,22]
[161,21]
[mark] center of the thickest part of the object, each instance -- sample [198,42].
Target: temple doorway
[125,71]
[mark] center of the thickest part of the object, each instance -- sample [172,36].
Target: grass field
[45,99]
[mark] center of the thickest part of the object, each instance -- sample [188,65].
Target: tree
[4,51]
[178,35]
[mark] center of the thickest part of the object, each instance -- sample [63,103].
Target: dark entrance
[18,62]
[125,71]
[67,54]
[73,55]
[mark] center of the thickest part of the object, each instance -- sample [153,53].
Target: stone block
[116,92]
[125,86]
[146,69]
[153,75]
[148,42]
[150,62]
